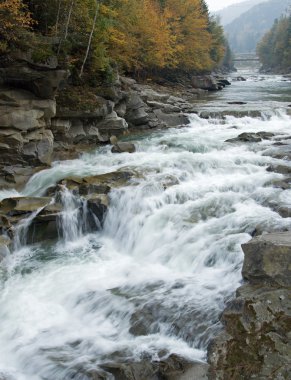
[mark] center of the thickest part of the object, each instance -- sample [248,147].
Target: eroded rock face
[256,343]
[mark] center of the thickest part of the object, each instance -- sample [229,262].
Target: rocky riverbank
[38,127]
[255,342]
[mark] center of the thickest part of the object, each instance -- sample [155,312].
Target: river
[155,280]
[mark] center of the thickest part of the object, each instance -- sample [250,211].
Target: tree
[15,19]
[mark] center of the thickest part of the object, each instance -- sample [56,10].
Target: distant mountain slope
[245,31]
[230,13]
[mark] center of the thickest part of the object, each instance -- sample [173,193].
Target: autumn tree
[14,20]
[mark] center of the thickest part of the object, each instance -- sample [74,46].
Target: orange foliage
[148,35]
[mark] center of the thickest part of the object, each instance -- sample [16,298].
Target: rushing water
[156,279]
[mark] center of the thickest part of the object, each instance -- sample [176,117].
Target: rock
[240,79]
[113,124]
[172,368]
[245,137]
[224,81]
[123,147]
[265,135]
[24,137]
[43,83]
[97,183]
[22,205]
[167,108]
[256,341]
[268,259]
[136,114]
[205,82]
[281,169]
[171,120]
[285,212]
[238,103]
[282,184]
[97,205]
[4,247]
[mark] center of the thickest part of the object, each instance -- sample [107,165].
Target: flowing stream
[156,278]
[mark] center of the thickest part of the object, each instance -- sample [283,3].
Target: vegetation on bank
[94,37]
[274,50]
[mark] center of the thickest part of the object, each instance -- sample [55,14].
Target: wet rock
[224,81]
[121,147]
[97,205]
[4,247]
[245,137]
[93,183]
[281,169]
[172,368]
[285,212]
[240,79]
[22,205]
[238,103]
[283,184]
[265,135]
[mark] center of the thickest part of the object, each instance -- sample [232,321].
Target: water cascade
[155,279]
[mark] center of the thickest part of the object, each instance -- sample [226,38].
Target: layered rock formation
[256,341]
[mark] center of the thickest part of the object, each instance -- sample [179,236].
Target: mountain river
[155,280]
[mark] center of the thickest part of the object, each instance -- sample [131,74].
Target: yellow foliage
[148,35]
[14,17]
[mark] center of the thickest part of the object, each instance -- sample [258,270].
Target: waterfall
[70,220]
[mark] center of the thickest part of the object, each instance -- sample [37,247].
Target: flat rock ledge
[256,340]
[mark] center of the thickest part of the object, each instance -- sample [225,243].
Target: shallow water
[156,279]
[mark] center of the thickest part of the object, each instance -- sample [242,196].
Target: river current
[155,280]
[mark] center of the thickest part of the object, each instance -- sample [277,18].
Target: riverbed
[155,280]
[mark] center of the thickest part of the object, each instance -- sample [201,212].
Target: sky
[215,5]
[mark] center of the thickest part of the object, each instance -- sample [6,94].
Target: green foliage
[274,50]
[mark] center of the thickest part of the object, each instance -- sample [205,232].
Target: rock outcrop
[256,341]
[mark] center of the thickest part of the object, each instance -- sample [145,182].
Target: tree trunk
[58,18]
[90,39]
[69,19]
[67,25]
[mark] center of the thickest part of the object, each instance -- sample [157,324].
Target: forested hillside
[245,32]
[93,37]
[230,13]
[274,49]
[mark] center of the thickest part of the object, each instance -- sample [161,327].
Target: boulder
[113,124]
[246,137]
[205,82]
[171,119]
[136,114]
[123,147]
[268,259]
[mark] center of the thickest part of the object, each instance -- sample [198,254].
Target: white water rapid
[156,278]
